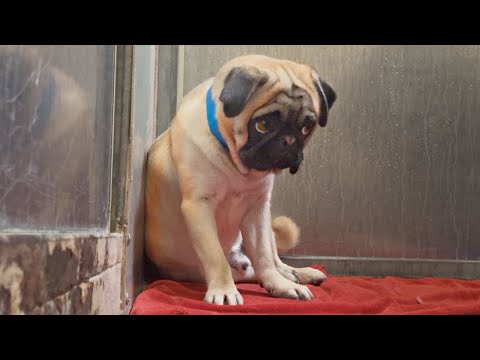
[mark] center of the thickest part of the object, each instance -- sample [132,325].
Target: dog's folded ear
[238,87]
[327,97]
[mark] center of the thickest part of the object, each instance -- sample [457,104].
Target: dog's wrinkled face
[277,133]
[279,128]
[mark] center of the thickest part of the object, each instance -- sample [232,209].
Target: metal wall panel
[143,133]
[167,85]
[396,172]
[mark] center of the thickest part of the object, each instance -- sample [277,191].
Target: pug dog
[210,176]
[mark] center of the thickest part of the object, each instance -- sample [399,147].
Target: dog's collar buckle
[212,119]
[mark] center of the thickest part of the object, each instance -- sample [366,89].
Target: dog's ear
[238,87]
[327,97]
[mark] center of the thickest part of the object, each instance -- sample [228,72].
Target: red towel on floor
[337,295]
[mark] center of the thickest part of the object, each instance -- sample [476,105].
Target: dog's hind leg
[242,269]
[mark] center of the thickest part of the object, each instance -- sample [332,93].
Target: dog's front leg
[305,275]
[257,233]
[200,220]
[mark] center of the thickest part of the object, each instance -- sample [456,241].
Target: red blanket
[337,295]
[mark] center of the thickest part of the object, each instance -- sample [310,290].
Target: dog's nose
[299,159]
[288,140]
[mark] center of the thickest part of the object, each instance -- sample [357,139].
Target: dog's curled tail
[287,233]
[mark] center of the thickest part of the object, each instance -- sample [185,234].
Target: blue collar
[212,120]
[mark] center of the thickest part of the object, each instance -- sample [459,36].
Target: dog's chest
[237,199]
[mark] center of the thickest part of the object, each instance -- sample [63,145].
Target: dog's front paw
[289,273]
[278,286]
[309,275]
[223,296]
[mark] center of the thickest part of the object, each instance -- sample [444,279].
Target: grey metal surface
[383,266]
[396,173]
[122,137]
[143,134]
[55,137]
[167,86]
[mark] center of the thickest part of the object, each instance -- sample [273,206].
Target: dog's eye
[261,126]
[308,125]
[306,129]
